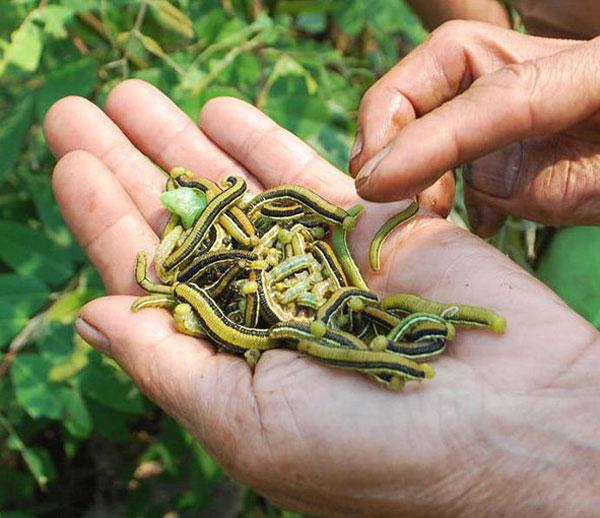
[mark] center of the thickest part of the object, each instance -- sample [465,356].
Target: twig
[226,61]
[139,20]
[34,327]
[21,448]
[31,330]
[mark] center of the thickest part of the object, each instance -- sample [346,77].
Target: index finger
[442,67]
[536,97]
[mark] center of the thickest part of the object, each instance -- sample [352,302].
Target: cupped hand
[521,111]
[310,437]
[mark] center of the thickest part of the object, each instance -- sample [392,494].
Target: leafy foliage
[76,435]
[570,267]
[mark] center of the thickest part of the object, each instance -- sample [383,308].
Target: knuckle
[561,184]
[454,33]
[372,96]
[519,76]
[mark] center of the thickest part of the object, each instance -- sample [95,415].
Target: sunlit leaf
[172,18]
[152,46]
[570,267]
[71,366]
[186,202]
[54,18]
[25,47]
[287,66]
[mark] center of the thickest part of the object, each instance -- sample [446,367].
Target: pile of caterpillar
[274,270]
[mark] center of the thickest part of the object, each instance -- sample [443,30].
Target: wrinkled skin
[553,18]
[522,110]
[507,427]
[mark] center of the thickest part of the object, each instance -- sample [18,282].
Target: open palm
[310,437]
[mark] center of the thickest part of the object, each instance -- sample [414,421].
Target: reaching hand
[501,411]
[553,18]
[473,89]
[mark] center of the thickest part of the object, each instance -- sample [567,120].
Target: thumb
[537,97]
[182,374]
[552,180]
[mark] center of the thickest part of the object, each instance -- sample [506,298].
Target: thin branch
[22,449]
[139,20]
[226,61]
[35,326]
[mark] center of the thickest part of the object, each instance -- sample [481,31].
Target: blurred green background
[76,437]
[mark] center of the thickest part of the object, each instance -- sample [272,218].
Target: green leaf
[16,514]
[54,18]
[38,396]
[334,144]
[305,6]
[14,125]
[27,293]
[31,253]
[40,457]
[72,364]
[304,115]
[218,91]
[152,46]
[312,22]
[207,27]
[186,202]
[82,6]
[37,459]
[112,425]
[14,486]
[232,31]
[25,48]
[76,78]
[287,66]
[66,308]
[20,297]
[55,342]
[110,387]
[172,18]
[571,267]
[78,420]
[384,16]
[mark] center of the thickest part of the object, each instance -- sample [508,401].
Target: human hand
[508,415]
[552,18]
[472,89]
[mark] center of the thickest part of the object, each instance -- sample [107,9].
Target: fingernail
[356,148]
[92,335]
[496,174]
[488,221]
[467,173]
[371,166]
[473,214]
